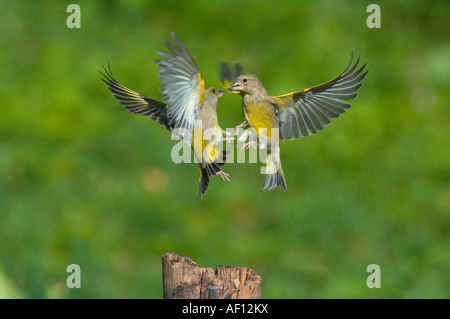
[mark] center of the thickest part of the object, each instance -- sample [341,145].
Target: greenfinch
[269,119]
[190,112]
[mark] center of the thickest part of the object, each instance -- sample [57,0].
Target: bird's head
[213,94]
[246,84]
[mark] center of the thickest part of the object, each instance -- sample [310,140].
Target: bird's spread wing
[183,87]
[227,75]
[134,101]
[308,111]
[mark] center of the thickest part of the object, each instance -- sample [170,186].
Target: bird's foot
[246,146]
[227,137]
[243,124]
[224,175]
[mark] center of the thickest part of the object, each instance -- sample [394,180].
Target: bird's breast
[260,114]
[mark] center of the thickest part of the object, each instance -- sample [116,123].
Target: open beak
[220,93]
[235,87]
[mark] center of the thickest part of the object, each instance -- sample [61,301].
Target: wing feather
[227,74]
[136,102]
[182,87]
[306,112]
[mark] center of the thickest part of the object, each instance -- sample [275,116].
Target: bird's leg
[263,141]
[243,124]
[224,175]
[251,143]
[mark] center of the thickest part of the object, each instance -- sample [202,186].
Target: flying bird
[269,119]
[190,111]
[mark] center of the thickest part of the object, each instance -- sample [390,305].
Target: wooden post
[183,279]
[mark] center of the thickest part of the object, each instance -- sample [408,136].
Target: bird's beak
[235,87]
[220,93]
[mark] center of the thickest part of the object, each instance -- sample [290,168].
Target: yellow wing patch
[211,154]
[201,82]
[290,94]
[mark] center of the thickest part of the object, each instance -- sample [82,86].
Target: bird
[190,111]
[269,119]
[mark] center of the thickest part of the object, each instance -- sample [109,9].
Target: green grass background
[83,181]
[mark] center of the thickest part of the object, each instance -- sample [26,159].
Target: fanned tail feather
[207,170]
[274,173]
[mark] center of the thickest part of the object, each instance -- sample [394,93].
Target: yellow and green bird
[269,119]
[190,111]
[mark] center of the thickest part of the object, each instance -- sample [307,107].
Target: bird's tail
[274,172]
[211,165]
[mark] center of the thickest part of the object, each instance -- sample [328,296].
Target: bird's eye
[245,80]
[214,90]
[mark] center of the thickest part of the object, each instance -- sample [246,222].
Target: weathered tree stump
[183,279]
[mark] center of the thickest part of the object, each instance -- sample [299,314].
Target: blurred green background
[84,181]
